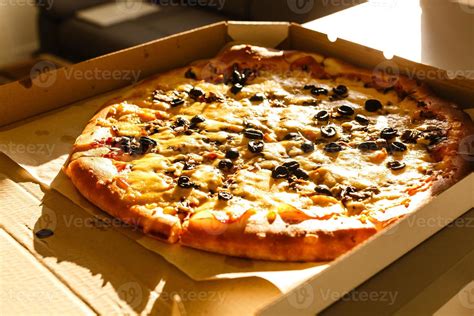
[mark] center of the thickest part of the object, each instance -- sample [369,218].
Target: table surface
[435,277]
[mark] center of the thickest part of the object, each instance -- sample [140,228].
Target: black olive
[292,136]
[232,153]
[44,233]
[309,86]
[328,131]
[323,189]
[368,146]
[319,91]
[125,143]
[388,133]
[146,143]
[301,174]
[410,136]
[176,102]
[197,119]
[396,165]
[340,90]
[291,165]
[307,147]
[188,166]
[373,105]
[362,120]
[236,77]
[190,74]
[322,116]
[397,146]
[236,88]
[253,133]
[332,148]
[225,164]
[345,110]
[185,182]
[224,195]
[258,97]
[195,93]
[256,146]
[280,172]
[180,121]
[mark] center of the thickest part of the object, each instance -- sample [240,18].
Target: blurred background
[436,32]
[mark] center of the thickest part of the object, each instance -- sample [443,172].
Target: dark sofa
[63,34]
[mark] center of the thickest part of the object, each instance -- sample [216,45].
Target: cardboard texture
[132,279]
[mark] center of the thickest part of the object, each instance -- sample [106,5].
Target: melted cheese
[288,108]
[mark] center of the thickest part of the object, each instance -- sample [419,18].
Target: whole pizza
[269,154]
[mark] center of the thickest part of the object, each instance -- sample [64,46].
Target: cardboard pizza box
[90,267]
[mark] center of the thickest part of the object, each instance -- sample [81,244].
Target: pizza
[269,154]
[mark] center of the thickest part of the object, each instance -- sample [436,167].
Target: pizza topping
[176,102]
[291,165]
[257,97]
[323,189]
[256,146]
[232,153]
[190,74]
[307,147]
[322,116]
[345,110]
[236,88]
[224,195]
[300,174]
[333,148]
[328,131]
[373,105]
[366,146]
[340,91]
[280,172]
[410,136]
[253,133]
[185,182]
[319,91]
[146,144]
[397,146]
[388,133]
[396,165]
[197,119]
[225,164]
[195,93]
[361,119]
[292,136]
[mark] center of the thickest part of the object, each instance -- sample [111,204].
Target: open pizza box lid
[90,267]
